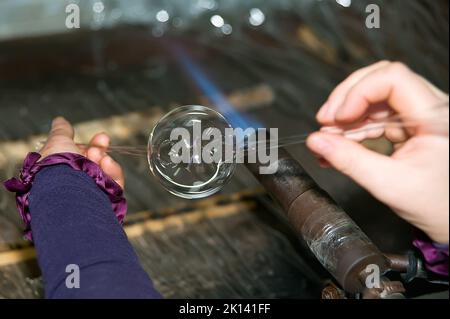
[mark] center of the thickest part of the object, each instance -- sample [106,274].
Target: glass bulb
[189,176]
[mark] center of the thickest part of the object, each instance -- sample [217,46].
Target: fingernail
[332,129]
[354,135]
[57,119]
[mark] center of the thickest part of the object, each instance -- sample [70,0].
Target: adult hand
[414,180]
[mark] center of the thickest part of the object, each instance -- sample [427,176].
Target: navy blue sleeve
[73,224]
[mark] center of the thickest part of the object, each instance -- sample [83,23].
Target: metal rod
[336,241]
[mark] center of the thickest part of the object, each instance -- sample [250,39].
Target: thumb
[369,169]
[61,128]
[60,138]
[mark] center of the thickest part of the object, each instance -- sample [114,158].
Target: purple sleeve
[73,224]
[435,255]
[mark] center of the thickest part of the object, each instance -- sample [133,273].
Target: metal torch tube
[333,237]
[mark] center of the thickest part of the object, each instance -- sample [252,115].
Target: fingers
[97,153]
[394,84]
[97,147]
[366,167]
[370,128]
[327,112]
[396,134]
[113,169]
[100,140]
[366,131]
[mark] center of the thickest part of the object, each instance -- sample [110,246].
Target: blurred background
[273,62]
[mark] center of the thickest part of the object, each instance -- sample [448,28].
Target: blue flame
[212,92]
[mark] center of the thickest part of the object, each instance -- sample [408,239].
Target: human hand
[414,180]
[60,140]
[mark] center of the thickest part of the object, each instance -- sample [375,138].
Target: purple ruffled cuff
[31,167]
[435,255]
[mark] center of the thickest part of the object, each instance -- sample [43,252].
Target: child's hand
[60,140]
[414,181]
